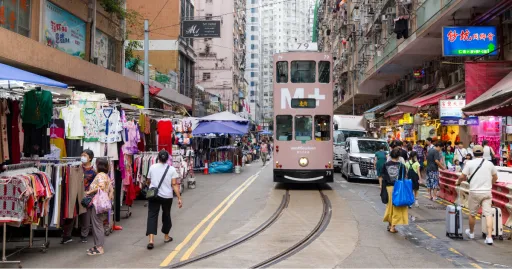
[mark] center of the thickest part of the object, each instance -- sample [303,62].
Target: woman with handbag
[101,188]
[163,180]
[392,170]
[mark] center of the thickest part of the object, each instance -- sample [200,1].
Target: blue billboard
[470,40]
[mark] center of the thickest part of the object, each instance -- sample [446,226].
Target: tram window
[284,124]
[322,127]
[303,128]
[303,71]
[282,72]
[324,69]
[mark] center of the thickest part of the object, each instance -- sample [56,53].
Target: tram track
[304,242]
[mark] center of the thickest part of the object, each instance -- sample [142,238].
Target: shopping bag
[101,202]
[402,191]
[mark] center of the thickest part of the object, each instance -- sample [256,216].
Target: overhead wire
[158,14]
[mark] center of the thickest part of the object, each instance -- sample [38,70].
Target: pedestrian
[393,170]
[403,150]
[488,152]
[470,148]
[264,152]
[380,159]
[100,182]
[418,148]
[413,173]
[468,158]
[481,174]
[460,153]
[85,218]
[164,178]
[429,144]
[458,167]
[448,156]
[434,162]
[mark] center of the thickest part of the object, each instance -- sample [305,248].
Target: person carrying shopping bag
[394,215]
[164,179]
[103,192]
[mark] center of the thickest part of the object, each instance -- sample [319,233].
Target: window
[206,76]
[252,93]
[254,37]
[15,16]
[254,65]
[253,10]
[282,72]
[254,19]
[254,56]
[253,83]
[284,126]
[341,136]
[254,2]
[254,46]
[303,128]
[370,146]
[186,78]
[303,71]
[208,16]
[254,74]
[324,69]
[254,28]
[322,127]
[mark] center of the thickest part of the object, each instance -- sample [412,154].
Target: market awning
[414,105]
[370,114]
[494,102]
[220,127]
[223,116]
[8,72]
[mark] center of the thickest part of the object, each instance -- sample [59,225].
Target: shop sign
[451,108]
[469,40]
[369,116]
[509,129]
[101,48]
[200,29]
[64,31]
[459,121]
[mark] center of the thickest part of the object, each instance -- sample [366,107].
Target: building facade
[53,38]
[253,60]
[284,24]
[220,64]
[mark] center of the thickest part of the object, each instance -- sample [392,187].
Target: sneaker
[469,234]
[416,204]
[83,239]
[66,240]
[489,241]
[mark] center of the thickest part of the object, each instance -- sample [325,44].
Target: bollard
[205,171]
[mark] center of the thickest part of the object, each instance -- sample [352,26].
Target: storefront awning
[414,105]
[8,72]
[496,101]
[221,127]
[382,106]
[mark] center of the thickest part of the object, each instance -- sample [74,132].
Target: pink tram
[303,114]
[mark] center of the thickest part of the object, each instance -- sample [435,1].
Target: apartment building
[380,46]
[283,25]
[75,42]
[252,74]
[220,64]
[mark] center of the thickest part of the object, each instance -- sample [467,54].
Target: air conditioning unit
[356,18]
[456,77]
[390,10]
[378,27]
[385,17]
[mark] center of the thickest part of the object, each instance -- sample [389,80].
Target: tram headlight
[303,161]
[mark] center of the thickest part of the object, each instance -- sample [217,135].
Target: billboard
[200,29]
[469,40]
[64,31]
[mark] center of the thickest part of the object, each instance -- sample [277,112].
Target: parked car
[358,160]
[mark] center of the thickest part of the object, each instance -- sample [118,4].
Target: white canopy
[223,116]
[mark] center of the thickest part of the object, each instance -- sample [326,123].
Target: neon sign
[469,40]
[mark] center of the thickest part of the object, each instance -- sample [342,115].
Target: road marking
[446,203]
[214,220]
[426,232]
[455,251]
[476,265]
[187,239]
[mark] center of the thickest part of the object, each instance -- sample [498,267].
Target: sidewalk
[430,217]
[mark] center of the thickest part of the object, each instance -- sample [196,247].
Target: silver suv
[358,160]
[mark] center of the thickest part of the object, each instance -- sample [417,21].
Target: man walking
[264,151]
[481,174]
[433,165]
[421,155]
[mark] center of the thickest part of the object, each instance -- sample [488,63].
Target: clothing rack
[44,247]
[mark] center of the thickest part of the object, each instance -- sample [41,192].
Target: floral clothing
[102,182]
[92,125]
[432,179]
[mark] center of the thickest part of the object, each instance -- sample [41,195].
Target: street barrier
[501,192]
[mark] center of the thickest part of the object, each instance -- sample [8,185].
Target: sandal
[151,246]
[388,228]
[168,240]
[94,252]
[393,231]
[90,250]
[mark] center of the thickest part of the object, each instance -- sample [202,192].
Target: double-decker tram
[303,114]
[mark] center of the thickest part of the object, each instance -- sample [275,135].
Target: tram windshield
[303,128]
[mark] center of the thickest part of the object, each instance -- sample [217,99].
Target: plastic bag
[402,193]
[220,167]
[101,202]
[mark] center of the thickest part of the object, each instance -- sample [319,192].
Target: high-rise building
[283,25]
[253,60]
[220,64]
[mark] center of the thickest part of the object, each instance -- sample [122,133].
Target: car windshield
[340,136]
[371,146]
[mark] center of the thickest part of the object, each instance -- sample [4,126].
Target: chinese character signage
[303,103]
[469,40]
[451,108]
[64,31]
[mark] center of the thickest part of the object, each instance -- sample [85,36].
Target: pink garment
[131,137]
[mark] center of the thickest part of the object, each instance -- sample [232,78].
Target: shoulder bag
[472,175]
[152,193]
[402,191]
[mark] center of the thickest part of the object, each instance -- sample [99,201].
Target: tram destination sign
[303,103]
[200,29]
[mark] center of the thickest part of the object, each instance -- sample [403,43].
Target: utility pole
[146,64]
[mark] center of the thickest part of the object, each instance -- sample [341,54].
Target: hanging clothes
[74,122]
[37,108]
[165,135]
[15,132]
[110,126]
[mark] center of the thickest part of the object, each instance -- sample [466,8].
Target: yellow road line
[476,265]
[187,239]
[212,223]
[446,203]
[426,232]
[455,251]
